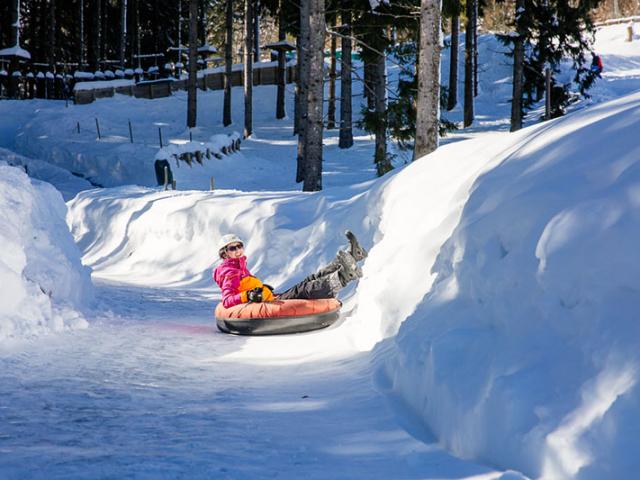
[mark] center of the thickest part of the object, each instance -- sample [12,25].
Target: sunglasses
[233,248]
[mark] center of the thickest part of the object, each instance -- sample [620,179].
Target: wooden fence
[264,75]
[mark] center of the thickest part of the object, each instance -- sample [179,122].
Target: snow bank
[44,285]
[168,237]
[523,353]
[66,183]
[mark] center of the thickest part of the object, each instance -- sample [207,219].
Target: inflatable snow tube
[279,317]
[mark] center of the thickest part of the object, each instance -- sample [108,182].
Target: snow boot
[349,268]
[355,249]
[335,282]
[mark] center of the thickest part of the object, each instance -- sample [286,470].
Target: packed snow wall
[44,285]
[524,351]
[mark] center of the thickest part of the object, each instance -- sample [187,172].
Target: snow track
[156,392]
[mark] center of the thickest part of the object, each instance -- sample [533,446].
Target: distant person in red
[596,65]
[238,285]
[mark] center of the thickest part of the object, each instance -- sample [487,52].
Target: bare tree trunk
[202,24]
[296,98]
[256,31]
[315,98]
[346,132]
[428,97]
[34,32]
[103,28]
[518,69]
[138,35]
[280,100]
[452,98]
[248,68]
[468,66]
[156,28]
[383,165]
[331,108]
[368,66]
[304,54]
[192,91]
[81,37]
[14,28]
[475,48]
[93,44]
[123,31]
[52,35]
[133,31]
[228,63]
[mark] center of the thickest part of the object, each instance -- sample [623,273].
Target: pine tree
[548,33]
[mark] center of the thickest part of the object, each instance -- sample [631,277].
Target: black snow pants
[325,283]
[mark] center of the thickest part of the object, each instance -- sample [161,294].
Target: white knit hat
[228,239]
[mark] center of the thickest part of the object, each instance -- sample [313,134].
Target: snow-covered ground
[496,318]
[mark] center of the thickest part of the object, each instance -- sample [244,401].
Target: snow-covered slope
[524,352]
[500,292]
[44,286]
[511,257]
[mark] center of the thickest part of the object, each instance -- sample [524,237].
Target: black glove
[255,295]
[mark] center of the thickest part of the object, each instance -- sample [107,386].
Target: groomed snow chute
[277,318]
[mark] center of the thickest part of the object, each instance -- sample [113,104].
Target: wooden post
[166,177]
[211,184]
[98,128]
[130,132]
[78,126]
[630,32]
[190,136]
[547,103]
[160,135]
[173,185]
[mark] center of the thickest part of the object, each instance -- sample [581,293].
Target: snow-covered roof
[207,48]
[102,84]
[15,51]
[78,74]
[281,45]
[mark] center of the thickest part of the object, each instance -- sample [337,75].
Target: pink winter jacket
[228,275]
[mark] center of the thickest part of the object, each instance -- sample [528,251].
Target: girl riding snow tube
[239,286]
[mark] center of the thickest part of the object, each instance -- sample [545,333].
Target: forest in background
[92,39]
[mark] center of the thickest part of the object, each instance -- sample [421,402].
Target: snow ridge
[44,286]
